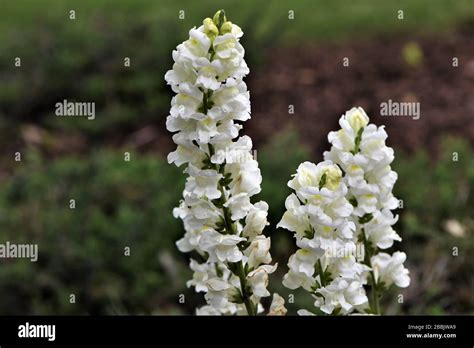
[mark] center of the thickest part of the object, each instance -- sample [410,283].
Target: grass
[313,19]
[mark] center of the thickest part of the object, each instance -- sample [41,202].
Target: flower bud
[219,18]
[210,28]
[258,251]
[357,118]
[226,27]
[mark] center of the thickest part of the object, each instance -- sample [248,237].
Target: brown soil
[314,80]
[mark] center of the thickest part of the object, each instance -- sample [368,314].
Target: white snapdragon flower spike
[222,224]
[342,205]
[324,264]
[359,149]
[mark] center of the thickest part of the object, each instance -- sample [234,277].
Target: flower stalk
[222,224]
[360,216]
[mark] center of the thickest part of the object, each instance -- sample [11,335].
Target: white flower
[217,292]
[258,251]
[186,152]
[203,182]
[246,177]
[197,213]
[294,279]
[230,52]
[389,269]
[226,46]
[303,261]
[197,46]
[233,152]
[208,311]
[278,305]
[373,144]
[343,294]
[304,312]
[239,205]
[233,99]
[317,184]
[186,103]
[208,72]
[258,280]
[181,72]
[256,220]
[200,276]
[221,247]
[190,241]
[379,230]
[307,174]
[295,218]
[203,272]
[357,118]
[349,268]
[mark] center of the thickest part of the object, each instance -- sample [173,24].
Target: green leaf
[309,233]
[357,140]
[322,182]
[353,201]
[366,218]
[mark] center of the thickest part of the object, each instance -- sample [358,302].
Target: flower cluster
[325,263]
[223,228]
[359,149]
[341,206]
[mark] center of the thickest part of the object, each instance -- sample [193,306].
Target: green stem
[320,270]
[375,296]
[239,270]
[249,306]
[229,226]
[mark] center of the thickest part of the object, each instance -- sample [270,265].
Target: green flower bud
[210,28]
[219,18]
[226,27]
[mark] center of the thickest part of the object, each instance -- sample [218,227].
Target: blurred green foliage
[119,204]
[435,191]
